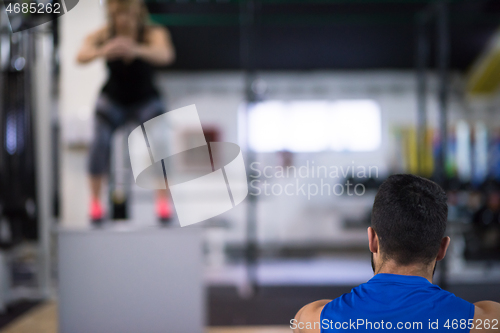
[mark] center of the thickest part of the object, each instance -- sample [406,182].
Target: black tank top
[130,83]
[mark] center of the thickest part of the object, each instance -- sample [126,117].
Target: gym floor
[43,319]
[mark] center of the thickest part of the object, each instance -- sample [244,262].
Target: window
[313,126]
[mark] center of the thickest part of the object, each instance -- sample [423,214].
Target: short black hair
[409,216]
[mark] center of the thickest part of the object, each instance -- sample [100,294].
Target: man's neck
[390,267]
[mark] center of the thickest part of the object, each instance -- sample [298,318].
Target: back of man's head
[409,216]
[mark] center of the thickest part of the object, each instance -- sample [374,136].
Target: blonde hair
[143,10]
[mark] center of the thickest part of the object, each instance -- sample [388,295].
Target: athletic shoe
[96,212]
[163,210]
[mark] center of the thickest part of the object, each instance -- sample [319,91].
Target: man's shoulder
[486,317]
[308,319]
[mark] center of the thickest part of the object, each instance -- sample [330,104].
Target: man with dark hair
[406,240]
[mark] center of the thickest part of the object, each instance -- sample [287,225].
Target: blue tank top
[397,302]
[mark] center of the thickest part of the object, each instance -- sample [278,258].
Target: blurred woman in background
[131,49]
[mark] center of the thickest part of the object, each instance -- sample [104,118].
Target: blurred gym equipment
[27,127]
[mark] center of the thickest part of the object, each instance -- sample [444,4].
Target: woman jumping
[131,49]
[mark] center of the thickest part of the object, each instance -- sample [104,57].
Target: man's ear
[445,242]
[372,240]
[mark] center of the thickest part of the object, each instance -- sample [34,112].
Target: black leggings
[109,116]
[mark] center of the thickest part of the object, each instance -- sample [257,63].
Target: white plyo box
[148,281]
